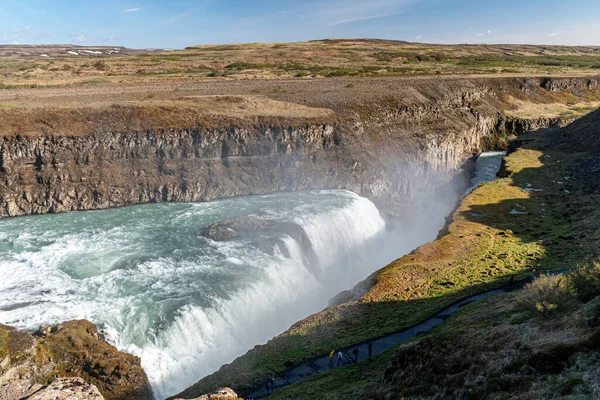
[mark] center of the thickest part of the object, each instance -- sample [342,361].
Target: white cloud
[80,39]
[179,16]
[349,21]
[488,32]
[339,12]
[27,34]
[20,31]
[554,34]
[114,38]
[325,15]
[132,10]
[480,34]
[418,37]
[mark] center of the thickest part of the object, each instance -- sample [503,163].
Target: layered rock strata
[391,150]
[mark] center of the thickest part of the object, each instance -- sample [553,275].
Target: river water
[186,304]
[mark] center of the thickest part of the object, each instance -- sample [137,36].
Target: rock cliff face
[56,174]
[390,153]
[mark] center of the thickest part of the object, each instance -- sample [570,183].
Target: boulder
[231,228]
[68,388]
[220,394]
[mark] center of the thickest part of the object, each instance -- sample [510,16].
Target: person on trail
[331,358]
[340,360]
[271,384]
[355,352]
[370,349]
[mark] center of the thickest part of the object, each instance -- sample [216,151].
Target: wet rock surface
[229,229]
[232,228]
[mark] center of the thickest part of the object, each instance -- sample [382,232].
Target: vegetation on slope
[541,216]
[497,348]
[501,348]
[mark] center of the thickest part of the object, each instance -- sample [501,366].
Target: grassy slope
[478,252]
[561,231]
[493,349]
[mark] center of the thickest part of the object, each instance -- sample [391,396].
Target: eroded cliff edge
[394,146]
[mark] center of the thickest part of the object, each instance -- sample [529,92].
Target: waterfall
[486,167]
[184,304]
[200,340]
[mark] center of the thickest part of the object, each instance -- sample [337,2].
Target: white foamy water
[187,305]
[486,167]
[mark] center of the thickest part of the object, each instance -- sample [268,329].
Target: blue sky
[180,23]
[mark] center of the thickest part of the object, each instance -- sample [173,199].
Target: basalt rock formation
[394,149]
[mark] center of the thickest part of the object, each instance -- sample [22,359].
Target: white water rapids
[184,304]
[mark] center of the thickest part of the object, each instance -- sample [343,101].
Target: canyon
[399,142]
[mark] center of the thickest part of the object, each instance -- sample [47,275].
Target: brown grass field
[66,65]
[318,80]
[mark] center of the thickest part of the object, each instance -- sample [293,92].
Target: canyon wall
[394,154]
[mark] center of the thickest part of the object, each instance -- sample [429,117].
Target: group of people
[340,355]
[340,360]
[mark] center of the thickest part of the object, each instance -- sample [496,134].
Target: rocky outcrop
[562,84]
[519,126]
[221,394]
[73,349]
[50,174]
[229,229]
